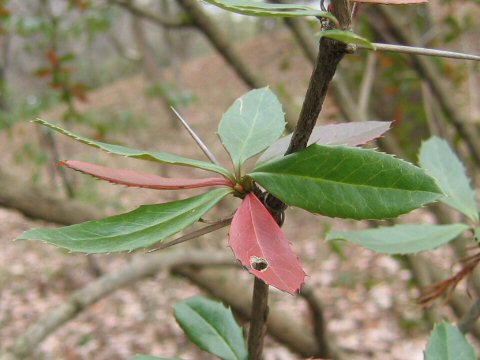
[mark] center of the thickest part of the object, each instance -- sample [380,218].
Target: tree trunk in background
[40,204]
[152,71]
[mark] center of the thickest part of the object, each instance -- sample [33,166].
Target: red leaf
[391,2]
[134,178]
[261,246]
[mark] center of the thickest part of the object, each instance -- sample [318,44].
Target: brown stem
[330,54]
[258,325]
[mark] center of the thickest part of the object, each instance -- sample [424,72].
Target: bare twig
[148,15]
[421,51]
[367,83]
[320,329]
[195,137]
[55,158]
[195,234]
[143,266]
[130,55]
[459,302]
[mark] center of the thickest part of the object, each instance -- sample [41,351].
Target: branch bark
[143,266]
[148,15]
[40,204]
[258,319]
[330,53]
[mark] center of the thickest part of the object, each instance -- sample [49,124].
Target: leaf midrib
[160,222]
[215,330]
[241,157]
[319,179]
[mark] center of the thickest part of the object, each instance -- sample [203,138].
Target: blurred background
[111,70]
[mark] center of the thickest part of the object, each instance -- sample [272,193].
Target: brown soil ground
[370,309]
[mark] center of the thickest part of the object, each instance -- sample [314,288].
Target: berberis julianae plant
[326,178]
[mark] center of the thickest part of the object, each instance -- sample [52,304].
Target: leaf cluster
[326,178]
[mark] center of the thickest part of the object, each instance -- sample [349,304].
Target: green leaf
[212,327]
[251,124]
[438,159]
[256,8]
[477,233]
[347,182]
[401,239]
[448,343]
[140,228]
[148,357]
[161,157]
[347,37]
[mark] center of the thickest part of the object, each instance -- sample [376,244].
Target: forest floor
[370,305]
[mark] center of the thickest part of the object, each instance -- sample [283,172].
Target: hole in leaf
[258,263]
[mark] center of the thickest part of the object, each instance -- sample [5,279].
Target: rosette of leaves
[330,177]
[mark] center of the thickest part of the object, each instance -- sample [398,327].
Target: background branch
[288,330]
[143,266]
[148,15]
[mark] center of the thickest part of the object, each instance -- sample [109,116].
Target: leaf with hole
[401,239]
[140,228]
[347,182]
[212,327]
[161,157]
[257,8]
[251,124]
[138,179]
[350,134]
[347,37]
[448,343]
[261,246]
[438,159]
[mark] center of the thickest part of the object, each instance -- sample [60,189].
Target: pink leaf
[261,246]
[391,2]
[134,178]
[349,134]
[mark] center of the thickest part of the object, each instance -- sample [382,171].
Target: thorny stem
[421,51]
[195,234]
[330,54]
